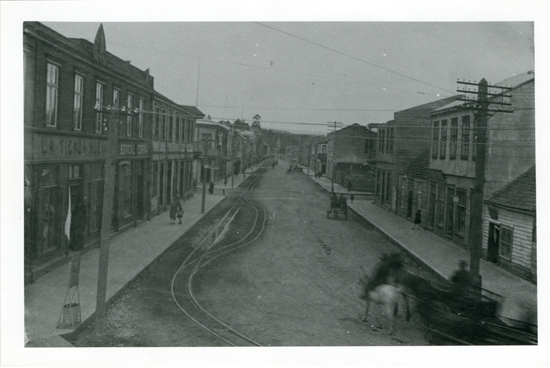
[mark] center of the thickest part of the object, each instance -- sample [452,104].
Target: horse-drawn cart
[469,318]
[337,209]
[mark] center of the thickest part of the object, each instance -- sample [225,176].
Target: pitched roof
[520,194]
[417,167]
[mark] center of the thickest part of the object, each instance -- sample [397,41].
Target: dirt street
[293,282]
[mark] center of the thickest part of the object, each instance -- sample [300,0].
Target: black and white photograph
[207,177]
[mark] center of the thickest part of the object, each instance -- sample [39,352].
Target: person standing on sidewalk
[180,212]
[173,212]
[211,188]
[417,219]
[349,186]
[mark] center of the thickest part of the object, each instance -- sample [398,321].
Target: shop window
[440,207]
[461,211]
[403,194]
[506,241]
[155,179]
[48,211]
[52,93]
[127,190]
[388,188]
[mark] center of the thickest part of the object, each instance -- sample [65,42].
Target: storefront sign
[63,147]
[127,149]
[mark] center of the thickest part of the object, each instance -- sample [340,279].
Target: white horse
[387,295]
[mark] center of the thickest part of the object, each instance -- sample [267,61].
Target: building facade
[510,226]
[212,139]
[398,142]
[72,86]
[173,152]
[510,150]
[350,155]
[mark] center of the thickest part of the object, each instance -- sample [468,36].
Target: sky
[298,76]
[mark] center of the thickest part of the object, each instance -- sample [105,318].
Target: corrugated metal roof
[520,194]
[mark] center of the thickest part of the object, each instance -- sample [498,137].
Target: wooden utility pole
[481,113]
[106,218]
[203,171]
[333,164]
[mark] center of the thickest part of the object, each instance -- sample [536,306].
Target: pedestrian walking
[351,197]
[180,212]
[173,212]
[211,188]
[225,181]
[417,219]
[349,186]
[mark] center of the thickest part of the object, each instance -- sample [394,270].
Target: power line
[355,81]
[353,57]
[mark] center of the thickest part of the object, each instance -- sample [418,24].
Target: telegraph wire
[353,57]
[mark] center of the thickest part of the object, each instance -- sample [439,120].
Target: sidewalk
[130,252]
[443,256]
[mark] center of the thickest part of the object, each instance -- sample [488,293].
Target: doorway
[493,242]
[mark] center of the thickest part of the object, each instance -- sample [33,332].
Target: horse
[380,287]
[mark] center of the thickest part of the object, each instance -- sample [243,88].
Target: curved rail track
[206,252]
